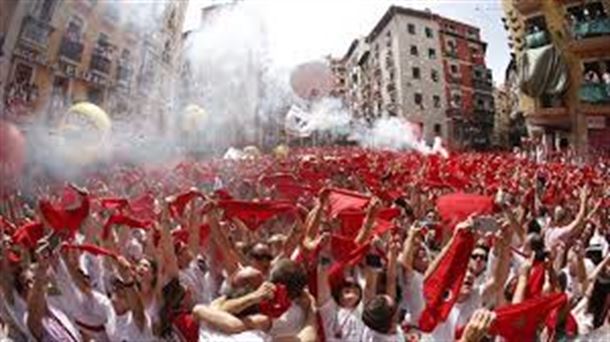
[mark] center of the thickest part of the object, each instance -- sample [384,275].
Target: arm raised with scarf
[312,222]
[493,286]
[37,295]
[576,226]
[168,255]
[369,221]
[439,258]
[134,300]
[232,258]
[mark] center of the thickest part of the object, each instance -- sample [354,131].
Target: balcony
[591,28]
[100,63]
[527,7]
[537,39]
[36,32]
[124,73]
[71,49]
[594,93]
[591,38]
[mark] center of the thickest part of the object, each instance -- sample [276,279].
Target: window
[454,69]
[418,98]
[46,9]
[429,33]
[474,50]
[434,75]
[388,34]
[431,53]
[74,29]
[437,101]
[414,51]
[411,28]
[480,104]
[478,74]
[437,129]
[416,73]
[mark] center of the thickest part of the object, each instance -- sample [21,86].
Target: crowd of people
[320,244]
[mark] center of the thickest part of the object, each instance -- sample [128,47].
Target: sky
[304,30]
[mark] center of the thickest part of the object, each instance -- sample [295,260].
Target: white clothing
[194,278]
[15,314]
[412,284]
[341,324]
[289,323]
[458,317]
[369,335]
[208,335]
[124,328]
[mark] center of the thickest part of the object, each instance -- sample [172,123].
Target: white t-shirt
[195,279]
[208,335]
[369,335]
[289,323]
[458,317]
[124,328]
[341,324]
[412,295]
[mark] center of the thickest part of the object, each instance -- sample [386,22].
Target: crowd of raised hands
[243,261]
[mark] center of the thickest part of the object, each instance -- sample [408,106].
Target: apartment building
[572,109]
[427,69]
[468,83]
[58,52]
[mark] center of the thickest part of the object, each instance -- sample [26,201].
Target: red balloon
[12,152]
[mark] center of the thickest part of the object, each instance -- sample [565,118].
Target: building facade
[576,36]
[60,52]
[427,69]
[468,90]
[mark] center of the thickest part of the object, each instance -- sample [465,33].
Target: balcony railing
[537,39]
[595,93]
[71,49]
[36,31]
[591,28]
[100,63]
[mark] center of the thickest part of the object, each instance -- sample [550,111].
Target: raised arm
[392,269]
[37,296]
[439,258]
[502,265]
[408,249]
[237,305]
[369,221]
[576,226]
[232,259]
[134,300]
[168,255]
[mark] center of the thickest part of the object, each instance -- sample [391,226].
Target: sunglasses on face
[479,257]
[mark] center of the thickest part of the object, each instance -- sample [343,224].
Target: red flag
[535,281]
[519,322]
[352,220]
[66,220]
[114,203]
[335,273]
[92,249]
[28,234]
[177,206]
[340,200]
[253,214]
[457,207]
[119,219]
[442,287]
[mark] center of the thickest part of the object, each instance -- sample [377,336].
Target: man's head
[347,294]
[290,274]
[380,314]
[478,259]
[421,259]
[467,286]
[260,257]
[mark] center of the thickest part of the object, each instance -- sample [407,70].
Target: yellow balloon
[281,151]
[83,132]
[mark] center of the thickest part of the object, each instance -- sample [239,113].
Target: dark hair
[533,227]
[173,294]
[154,266]
[290,274]
[483,247]
[536,242]
[336,290]
[379,315]
[597,301]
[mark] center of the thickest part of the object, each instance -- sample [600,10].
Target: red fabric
[187,326]
[457,207]
[143,207]
[64,220]
[335,273]
[253,214]
[340,200]
[177,206]
[114,203]
[28,234]
[352,220]
[341,246]
[6,225]
[92,249]
[447,277]
[223,194]
[518,322]
[535,281]
[570,326]
[278,178]
[119,219]
[276,306]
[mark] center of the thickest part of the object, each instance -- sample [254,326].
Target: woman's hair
[597,301]
[173,294]
[154,269]
[336,290]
